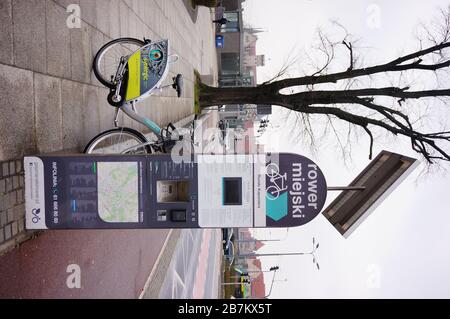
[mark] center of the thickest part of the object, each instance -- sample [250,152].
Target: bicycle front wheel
[107,59]
[118,141]
[272,192]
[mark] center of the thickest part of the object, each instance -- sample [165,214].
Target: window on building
[232,24]
[230,63]
[247,81]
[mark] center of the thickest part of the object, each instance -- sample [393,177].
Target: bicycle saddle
[178,84]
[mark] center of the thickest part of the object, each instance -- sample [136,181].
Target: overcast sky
[402,249]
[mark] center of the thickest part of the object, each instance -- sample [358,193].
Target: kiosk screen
[232,190]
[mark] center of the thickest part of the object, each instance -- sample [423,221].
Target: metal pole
[255,271]
[271,254]
[271,286]
[254,240]
[234,283]
[281,280]
[346,188]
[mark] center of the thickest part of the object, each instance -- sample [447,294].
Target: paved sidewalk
[50,99]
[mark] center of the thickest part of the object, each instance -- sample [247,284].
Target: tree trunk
[206,3]
[212,96]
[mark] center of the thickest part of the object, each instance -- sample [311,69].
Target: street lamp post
[281,280]
[234,283]
[246,273]
[271,285]
[254,240]
[262,240]
[274,269]
[312,253]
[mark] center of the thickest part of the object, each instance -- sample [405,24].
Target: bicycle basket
[146,68]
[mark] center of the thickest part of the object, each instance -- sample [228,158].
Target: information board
[153,191]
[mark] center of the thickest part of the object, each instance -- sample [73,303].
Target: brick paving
[12,205]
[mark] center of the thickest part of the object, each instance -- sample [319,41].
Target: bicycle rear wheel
[107,59]
[118,140]
[272,170]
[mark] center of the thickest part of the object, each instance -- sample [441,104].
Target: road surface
[194,270]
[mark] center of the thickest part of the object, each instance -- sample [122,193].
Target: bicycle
[278,181]
[133,70]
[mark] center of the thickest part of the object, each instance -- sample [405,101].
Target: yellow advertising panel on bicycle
[146,68]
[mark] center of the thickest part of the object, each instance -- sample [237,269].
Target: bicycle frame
[275,179]
[130,110]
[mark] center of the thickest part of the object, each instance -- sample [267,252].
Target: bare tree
[365,107]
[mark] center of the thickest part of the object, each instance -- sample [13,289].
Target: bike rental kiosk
[154,191]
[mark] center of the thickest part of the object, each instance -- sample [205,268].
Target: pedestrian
[221,21]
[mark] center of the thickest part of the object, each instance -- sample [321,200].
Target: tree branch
[335,96]
[422,143]
[349,47]
[392,66]
[371,142]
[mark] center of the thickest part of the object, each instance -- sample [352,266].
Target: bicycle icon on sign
[36,218]
[278,181]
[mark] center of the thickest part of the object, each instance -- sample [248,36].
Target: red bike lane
[113,264]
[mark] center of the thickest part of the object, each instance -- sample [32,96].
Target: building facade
[237,56]
[229,55]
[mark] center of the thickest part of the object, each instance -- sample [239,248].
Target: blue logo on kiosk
[276,207]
